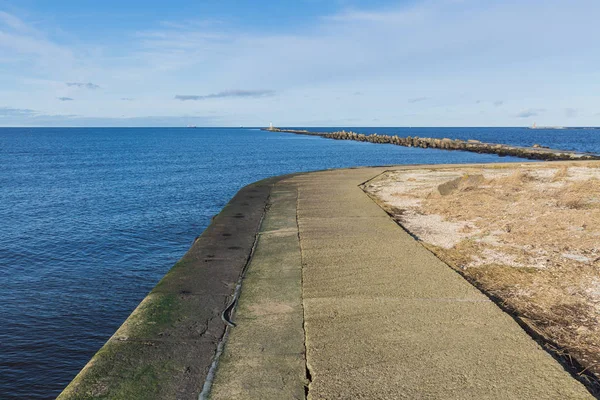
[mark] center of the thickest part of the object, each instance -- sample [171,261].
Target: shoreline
[536,152]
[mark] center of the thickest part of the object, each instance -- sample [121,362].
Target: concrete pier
[336,301]
[165,349]
[383,318]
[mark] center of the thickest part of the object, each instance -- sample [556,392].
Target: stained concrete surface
[264,354]
[338,302]
[166,347]
[383,317]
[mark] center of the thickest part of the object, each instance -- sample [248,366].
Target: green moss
[157,313]
[181,264]
[123,370]
[178,265]
[143,384]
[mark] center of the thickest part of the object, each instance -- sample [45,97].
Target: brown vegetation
[527,235]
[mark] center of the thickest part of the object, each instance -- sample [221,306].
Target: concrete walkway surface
[339,302]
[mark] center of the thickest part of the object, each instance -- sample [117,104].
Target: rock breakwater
[536,152]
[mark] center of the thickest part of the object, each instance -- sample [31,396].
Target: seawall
[533,153]
[325,265]
[166,346]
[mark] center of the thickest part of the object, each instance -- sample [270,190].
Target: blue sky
[299,63]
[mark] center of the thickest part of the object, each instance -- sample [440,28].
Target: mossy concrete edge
[165,347]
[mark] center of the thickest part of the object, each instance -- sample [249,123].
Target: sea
[92,218]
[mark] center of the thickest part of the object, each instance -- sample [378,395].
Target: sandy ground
[528,235]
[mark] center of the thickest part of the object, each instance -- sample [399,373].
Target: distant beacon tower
[270,125]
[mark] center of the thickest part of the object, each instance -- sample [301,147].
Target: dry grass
[561,174]
[530,237]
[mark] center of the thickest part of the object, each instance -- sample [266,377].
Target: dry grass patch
[528,235]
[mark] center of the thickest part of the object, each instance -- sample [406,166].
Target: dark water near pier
[91,219]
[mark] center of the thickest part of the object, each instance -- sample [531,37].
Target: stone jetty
[536,152]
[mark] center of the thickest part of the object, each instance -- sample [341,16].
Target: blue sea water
[92,218]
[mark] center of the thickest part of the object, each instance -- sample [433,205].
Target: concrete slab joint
[264,354]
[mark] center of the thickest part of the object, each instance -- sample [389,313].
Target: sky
[299,63]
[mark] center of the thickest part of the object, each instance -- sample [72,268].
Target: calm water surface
[91,219]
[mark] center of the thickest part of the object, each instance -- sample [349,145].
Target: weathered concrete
[165,348]
[386,319]
[383,317]
[264,355]
[334,285]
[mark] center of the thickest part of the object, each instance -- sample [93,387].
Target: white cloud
[20,41]
[429,40]
[16,112]
[404,16]
[227,94]
[83,85]
[12,22]
[450,52]
[532,112]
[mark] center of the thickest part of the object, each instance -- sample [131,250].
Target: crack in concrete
[227,313]
[308,374]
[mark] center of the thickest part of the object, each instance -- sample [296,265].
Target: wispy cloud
[385,16]
[225,94]
[12,22]
[28,117]
[186,97]
[154,120]
[419,48]
[16,112]
[23,45]
[88,85]
[127,98]
[532,112]
[66,98]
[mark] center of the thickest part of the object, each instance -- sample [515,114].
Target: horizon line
[557,127]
